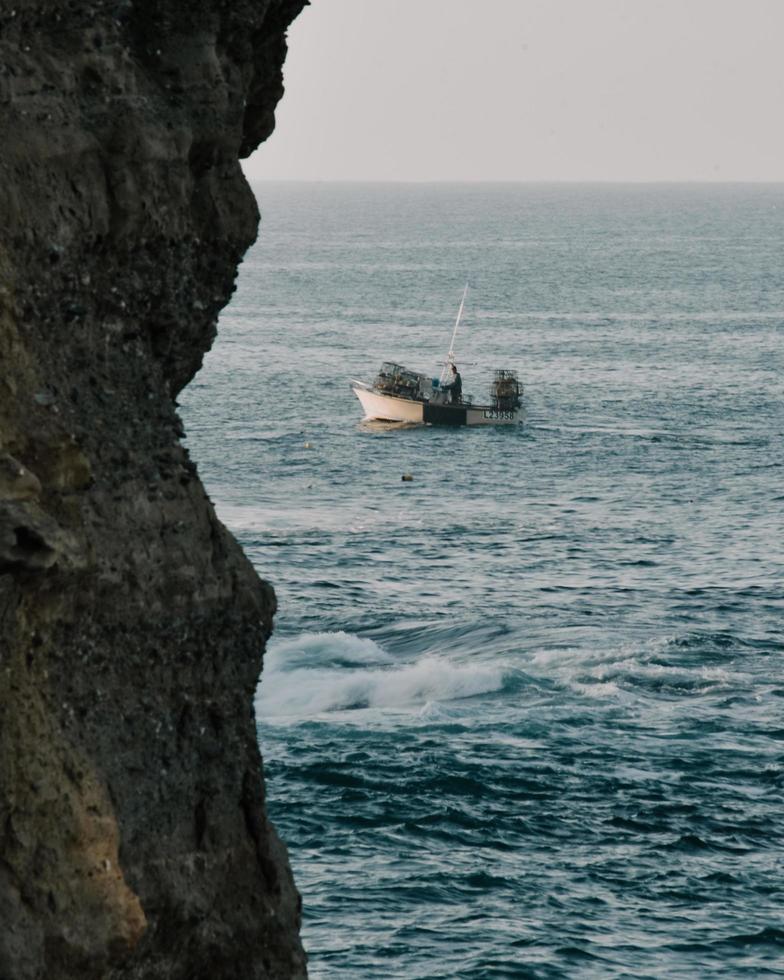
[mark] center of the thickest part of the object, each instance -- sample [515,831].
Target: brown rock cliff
[133,834]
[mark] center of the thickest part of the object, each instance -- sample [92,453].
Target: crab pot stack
[505,391]
[394,379]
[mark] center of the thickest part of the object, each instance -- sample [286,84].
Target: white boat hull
[389,408]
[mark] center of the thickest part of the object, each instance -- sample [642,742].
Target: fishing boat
[400,395]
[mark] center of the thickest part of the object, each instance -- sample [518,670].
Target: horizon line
[511,180]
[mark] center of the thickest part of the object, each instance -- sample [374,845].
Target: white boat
[401,395]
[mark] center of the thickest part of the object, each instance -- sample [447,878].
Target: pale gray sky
[531,90]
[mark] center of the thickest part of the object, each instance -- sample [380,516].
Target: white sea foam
[611,672]
[322,672]
[596,689]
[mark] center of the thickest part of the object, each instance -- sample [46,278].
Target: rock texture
[133,834]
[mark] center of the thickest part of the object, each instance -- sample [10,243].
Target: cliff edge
[133,834]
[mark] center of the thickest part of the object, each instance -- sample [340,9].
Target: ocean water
[524,715]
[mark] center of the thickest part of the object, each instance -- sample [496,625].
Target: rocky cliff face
[133,835]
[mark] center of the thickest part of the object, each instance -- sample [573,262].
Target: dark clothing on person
[455,389]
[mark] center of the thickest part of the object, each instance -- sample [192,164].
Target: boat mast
[450,357]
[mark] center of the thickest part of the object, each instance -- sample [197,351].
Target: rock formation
[133,834]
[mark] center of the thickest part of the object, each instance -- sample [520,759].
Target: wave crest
[321,672]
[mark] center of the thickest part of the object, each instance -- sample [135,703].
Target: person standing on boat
[455,387]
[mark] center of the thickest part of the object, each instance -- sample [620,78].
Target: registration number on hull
[490,413]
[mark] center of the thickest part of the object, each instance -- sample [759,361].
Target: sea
[522,716]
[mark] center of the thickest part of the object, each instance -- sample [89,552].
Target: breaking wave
[321,672]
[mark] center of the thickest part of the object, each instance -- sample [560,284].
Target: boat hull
[388,408]
[487,415]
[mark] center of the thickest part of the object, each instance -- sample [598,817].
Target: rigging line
[450,357]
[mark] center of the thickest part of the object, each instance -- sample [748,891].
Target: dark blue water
[523,716]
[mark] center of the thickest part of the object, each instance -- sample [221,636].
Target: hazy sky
[531,90]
